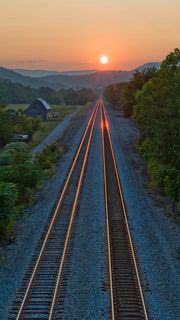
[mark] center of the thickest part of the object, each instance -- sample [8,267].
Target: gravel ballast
[87,296]
[156,236]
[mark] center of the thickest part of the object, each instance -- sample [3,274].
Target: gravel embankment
[17,256]
[157,238]
[87,297]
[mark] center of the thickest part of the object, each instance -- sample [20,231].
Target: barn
[39,108]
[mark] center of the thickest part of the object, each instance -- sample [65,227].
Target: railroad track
[126,293]
[44,287]
[39,292]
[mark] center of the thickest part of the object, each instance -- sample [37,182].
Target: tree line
[152,99]
[16,93]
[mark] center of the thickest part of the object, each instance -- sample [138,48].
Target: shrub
[24,175]
[17,146]
[8,199]
[48,157]
[6,157]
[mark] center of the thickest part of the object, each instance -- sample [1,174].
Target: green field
[17,107]
[46,126]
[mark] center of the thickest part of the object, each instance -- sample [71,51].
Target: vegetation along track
[38,295]
[127,302]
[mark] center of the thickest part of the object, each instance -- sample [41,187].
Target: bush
[20,176]
[24,175]
[17,146]
[8,199]
[6,128]
[48,157]
[6,157]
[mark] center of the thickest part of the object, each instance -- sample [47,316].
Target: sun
[104,59]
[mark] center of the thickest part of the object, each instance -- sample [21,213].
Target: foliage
[20,175]
[17,93]
[123,95]
[24,175]
[8,198]
[11,125]
[3,106]
[48,157]
[6,157]
[157,112]
[135,84]
[17,146]
[6,129]
[113,94]
[25,124]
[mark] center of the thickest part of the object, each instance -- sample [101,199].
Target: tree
[8,198]
[113,94]
[172,61]
[136,83]
[158,117]
[6,129]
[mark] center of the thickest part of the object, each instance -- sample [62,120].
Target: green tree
[157,113]
[8,199]
[136,83]
[6,129]
[114,93]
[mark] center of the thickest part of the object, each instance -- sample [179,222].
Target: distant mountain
[16,77]
[149,65]
[44,73]
[95,80]
[35,73]
[78,72]
[10,74]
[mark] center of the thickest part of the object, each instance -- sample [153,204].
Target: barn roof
[43,102]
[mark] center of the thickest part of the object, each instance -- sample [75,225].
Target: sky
[73,34]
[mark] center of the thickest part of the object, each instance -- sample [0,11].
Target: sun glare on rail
[107,124]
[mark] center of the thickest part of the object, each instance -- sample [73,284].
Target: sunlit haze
[73,34]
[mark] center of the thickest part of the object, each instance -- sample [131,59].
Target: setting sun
[104,59]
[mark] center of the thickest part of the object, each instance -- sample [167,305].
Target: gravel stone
[86,296]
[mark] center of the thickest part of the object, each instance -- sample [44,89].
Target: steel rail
[124,213]
[30,283]
[107,222]
[73,212]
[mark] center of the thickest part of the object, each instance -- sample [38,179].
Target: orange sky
[73,34]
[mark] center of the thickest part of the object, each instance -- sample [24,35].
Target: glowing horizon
[72,35]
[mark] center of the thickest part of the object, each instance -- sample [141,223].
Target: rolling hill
[44,73]
[95,80]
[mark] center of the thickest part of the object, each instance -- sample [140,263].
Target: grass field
[17,107]
[46,126]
